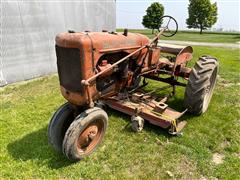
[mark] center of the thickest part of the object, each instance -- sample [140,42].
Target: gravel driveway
[225,45]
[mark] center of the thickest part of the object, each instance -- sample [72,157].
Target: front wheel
[85,134]
[200,85]
[59,124]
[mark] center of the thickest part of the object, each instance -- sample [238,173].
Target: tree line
[202,14]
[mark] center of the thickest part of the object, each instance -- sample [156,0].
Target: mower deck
[144,105]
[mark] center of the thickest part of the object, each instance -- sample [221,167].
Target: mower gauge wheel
[137,123]
[169,24]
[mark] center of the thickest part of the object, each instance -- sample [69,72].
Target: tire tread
[199,80]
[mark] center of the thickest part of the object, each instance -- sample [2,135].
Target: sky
[130,13]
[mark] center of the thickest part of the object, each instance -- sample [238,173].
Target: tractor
[112,69]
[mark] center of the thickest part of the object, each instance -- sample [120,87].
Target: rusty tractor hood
[101,41]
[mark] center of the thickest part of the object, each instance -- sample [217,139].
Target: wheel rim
[90,137]
[209,90]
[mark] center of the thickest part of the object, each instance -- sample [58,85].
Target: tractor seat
[174,49]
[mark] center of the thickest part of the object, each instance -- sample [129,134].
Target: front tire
[59,124]
[201,83]
[85,134]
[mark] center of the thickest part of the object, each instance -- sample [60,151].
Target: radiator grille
[69,68]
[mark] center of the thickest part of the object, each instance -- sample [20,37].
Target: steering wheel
[169,24]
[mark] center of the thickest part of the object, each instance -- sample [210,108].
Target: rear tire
[201,83]
[85,134]
[59,124]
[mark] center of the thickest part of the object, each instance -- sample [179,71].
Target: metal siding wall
[28,31]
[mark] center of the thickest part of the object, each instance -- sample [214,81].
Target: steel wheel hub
[90,137]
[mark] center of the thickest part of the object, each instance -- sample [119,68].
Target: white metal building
[28,30]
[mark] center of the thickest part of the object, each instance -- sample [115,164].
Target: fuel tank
[78,53]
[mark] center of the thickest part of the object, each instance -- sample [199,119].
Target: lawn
[153,154]
[212,37]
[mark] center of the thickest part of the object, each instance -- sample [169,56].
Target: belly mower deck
[140,104]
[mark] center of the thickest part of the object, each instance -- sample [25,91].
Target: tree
[152,19]
[202,14]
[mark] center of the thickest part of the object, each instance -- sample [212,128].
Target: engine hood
[101,41]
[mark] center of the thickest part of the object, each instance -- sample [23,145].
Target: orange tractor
[111,69]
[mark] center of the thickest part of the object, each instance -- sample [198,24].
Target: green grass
[25,152]
[194,36]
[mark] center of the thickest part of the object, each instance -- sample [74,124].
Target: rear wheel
[85,134]
[59,124]
[200,85]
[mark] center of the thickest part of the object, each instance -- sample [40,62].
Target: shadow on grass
[237,37]
[34,146]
